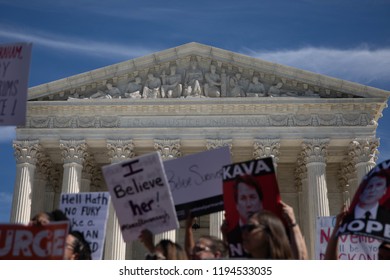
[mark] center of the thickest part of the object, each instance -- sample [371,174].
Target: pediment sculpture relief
[195,77]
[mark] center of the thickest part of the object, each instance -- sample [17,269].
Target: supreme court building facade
[321,131]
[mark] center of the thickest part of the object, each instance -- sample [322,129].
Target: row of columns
[310,175]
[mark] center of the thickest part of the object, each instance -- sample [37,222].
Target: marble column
[115,247]
[267,148]
[314,154]
[53,188]
[347,179]
[73,153]
[168,149]
[40,182]
[216,219]
[302,188]
[363,153]
[26,154]
[87,172]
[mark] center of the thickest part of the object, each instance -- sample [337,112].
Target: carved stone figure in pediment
[275,90]
[256,88]
[237,86]
[152,87]
[193,79]
[171,85]
[134,89]
[212,87]
[109,93]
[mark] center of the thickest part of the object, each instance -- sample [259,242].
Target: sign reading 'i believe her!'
[141,195]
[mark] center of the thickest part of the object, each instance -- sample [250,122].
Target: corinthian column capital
[168,148]
[315,150]
[218,143]
[27,151]
[266,148]
[364,150]
[119,150]
[73,151]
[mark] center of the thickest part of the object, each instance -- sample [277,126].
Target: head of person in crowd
[384,251]
[375,189]
[167,250]
[248,197]
[265,237]
[76,247]
[209,247]
[44,218]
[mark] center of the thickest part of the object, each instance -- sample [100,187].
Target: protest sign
[20,242]
[248,187]
[87,213]
[196,181]
[369,213]
[141,195]
[350,247]
[14,73]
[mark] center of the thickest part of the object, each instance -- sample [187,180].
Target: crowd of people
[258,233]
[76,246]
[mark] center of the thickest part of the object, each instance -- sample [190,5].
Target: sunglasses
[198,249]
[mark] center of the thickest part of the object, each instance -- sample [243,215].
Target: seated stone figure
[255,88]
[193,80]
[212,87]
[274,91]
[134,89]
[109,93]
[152,87]
[171,86]
[237,86]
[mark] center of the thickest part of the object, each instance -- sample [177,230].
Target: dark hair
[383,173]
[217,245]
[276,244]
[81,246]
[249,181]
[57,215]
[46,217]
[172,250]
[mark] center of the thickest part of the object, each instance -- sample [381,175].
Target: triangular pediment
[195,71]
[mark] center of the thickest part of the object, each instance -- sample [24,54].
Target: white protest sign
[141,195]
[196,181]
[14,73]
[87,213]
[350,247]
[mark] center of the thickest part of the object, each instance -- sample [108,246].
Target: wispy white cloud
[7,133]
[73,44]
[362,65]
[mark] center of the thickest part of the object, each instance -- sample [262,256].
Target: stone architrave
[363,153]
[115,248]
[73,155]
[26,155]
[267,148]
[168,149]
[216,219]
[314,154]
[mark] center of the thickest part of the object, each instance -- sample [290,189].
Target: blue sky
[347,39]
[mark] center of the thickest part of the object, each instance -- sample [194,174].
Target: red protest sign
[20,242]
